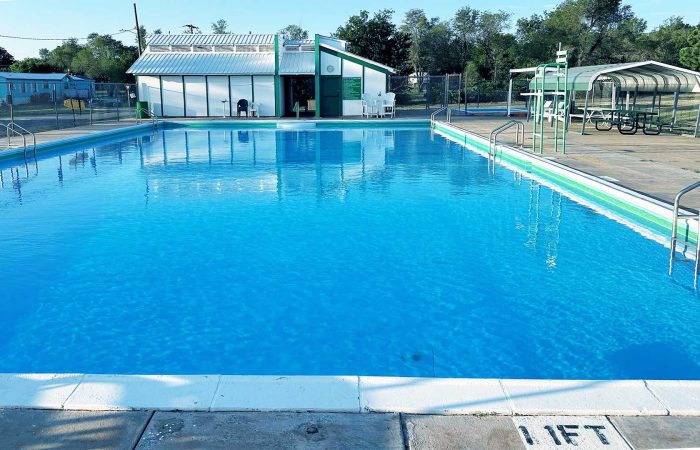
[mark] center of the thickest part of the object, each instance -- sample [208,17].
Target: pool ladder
[493,137]
[674,231]
[150,115]
[13,128]
[448,115]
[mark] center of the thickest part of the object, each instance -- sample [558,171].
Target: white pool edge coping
[358,394]
[355,394]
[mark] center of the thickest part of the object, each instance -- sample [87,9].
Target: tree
[6,59]
[690,55]
[144,35]
[32,65]
[465,28]
[294,32]
[104,58]
[220,27]
[62,56]
[375,37]
[664,43]
[491,39]
[416,26]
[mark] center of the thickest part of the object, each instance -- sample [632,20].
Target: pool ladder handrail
[674,230]
[13,127]
[151,115]
[438,111]
[493,137]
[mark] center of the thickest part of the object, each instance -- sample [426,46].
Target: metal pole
[459,92]
[466,99]
[510,94]
[55,109]
[12,101]
[447,82]
[675,107]
[138,30]
[585,113]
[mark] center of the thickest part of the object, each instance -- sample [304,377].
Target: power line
[26,38]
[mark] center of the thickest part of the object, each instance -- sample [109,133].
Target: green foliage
[690,55]
[220,27]
[5,58]
[375,37]
[32,65]
[103,58]
[294,32]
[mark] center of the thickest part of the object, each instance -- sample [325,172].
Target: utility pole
[138,30]
[191,28]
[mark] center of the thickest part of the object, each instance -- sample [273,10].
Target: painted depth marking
[562,432]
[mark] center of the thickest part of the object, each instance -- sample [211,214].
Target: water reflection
[325,162]
[542,213]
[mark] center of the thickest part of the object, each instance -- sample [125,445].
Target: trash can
[140,113]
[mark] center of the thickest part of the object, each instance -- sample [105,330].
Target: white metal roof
[645,76]
[204,64]
[299,42]
[33,76]
[352,55]
[211,39]
[297,63]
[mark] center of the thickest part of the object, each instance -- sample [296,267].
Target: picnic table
[628,121]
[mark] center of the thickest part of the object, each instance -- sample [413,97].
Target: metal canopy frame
[638,77]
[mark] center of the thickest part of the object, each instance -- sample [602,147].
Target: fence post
[447,82]
[55,108]
[510,94]
[459,92]
[12,101]
[697,123]
[466,99]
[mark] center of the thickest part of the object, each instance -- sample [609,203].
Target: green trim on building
[278,90]
[317,77]
[353,59]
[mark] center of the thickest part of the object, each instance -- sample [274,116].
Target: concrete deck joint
[651,391]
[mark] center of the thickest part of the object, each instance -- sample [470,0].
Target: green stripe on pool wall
[656,218]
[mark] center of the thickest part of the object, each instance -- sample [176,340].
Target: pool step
[296,125]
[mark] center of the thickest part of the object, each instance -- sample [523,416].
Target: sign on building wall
[352,88]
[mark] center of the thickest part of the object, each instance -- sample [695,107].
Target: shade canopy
[646,76]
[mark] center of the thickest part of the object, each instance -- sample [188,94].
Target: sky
[77,18]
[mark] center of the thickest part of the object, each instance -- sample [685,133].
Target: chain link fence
[420,95]
[42,106]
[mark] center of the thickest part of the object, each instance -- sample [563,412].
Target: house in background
[25,88]
[195,75]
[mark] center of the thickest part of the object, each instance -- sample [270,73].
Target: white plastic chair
[369,106]
[254,109]
[389,105]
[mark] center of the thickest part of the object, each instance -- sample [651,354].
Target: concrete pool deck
[213,411]
[148,429]
[658,166]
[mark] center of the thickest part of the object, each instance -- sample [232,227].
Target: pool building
[211,75]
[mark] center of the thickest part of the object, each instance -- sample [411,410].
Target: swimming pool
[371,251]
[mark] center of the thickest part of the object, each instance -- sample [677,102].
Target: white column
[510,94]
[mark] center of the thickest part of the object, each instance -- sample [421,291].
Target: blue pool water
[331,251]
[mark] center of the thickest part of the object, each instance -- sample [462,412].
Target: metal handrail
[519,132]
[674,230]
[10,127]
[435,113]
[151,115]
